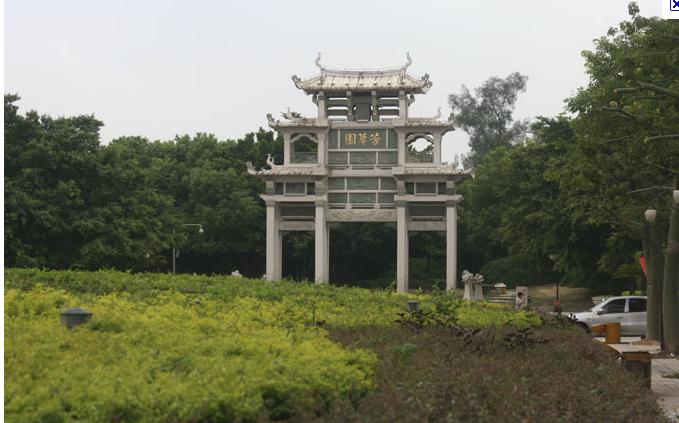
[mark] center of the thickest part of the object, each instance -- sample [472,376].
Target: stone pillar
[273,243]
[451,245]
[321,243]
[286,148]
[374,106]
[320,102]
[402,105]
[402,246]
[401,143]
[322,148]
[437,148]
[350,107]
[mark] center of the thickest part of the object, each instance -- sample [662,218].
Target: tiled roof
[363,80]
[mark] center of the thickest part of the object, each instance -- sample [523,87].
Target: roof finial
[318,62]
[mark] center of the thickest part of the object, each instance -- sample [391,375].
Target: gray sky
[161,68]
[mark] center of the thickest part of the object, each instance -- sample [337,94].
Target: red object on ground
[642,261]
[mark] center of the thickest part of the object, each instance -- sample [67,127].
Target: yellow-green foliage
[168,359]
[481,315]
[192,348]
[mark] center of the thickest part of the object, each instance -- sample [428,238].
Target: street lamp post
[174,247]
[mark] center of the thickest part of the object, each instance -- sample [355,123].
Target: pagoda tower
[362,159]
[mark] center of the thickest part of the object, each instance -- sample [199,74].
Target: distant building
[362,159]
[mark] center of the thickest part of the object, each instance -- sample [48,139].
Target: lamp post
[174,247]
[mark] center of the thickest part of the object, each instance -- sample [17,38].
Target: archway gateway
[363,168]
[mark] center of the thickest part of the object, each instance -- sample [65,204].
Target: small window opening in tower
[304,150]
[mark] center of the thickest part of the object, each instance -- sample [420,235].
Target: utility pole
[670,303]
[652,234]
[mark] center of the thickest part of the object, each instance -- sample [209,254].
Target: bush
[502,375]
[194,348]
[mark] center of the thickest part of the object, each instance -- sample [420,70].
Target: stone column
[402,246]
[451,245]
[437,148]
[273,243]
[402,105]
[321,243]
[401,143]
[350,107]
[322,147]
[374,106]
[320,102]
[286,148]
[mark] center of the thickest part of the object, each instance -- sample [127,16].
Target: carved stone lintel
[295,225]
[427,226]
[354,215]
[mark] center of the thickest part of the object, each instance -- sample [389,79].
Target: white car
[629,311]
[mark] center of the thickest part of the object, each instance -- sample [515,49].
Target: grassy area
[194,348]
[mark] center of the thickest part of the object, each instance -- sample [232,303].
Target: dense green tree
[486,115]
[50,165]
[626,155]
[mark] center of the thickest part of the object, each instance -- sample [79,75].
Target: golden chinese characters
[362,138]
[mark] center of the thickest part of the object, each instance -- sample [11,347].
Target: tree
[627,150]
[487,115]
[50,165]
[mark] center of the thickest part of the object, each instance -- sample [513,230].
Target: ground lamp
[74,317]
[175,252]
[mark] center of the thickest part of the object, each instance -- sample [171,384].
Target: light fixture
[650,215]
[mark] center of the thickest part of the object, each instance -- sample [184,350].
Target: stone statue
[269,161]
[473,286]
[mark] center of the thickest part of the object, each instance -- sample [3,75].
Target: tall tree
[50,165]
[627,149]
[486,115]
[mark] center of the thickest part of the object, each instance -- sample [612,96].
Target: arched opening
[304,149]
[420,149]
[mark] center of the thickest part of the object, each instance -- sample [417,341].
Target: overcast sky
[161,68]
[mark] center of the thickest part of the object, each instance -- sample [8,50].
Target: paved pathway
[664,387]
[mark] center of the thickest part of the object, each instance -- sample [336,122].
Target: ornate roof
[363,80]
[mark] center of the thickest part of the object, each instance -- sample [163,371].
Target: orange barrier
[611,330]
